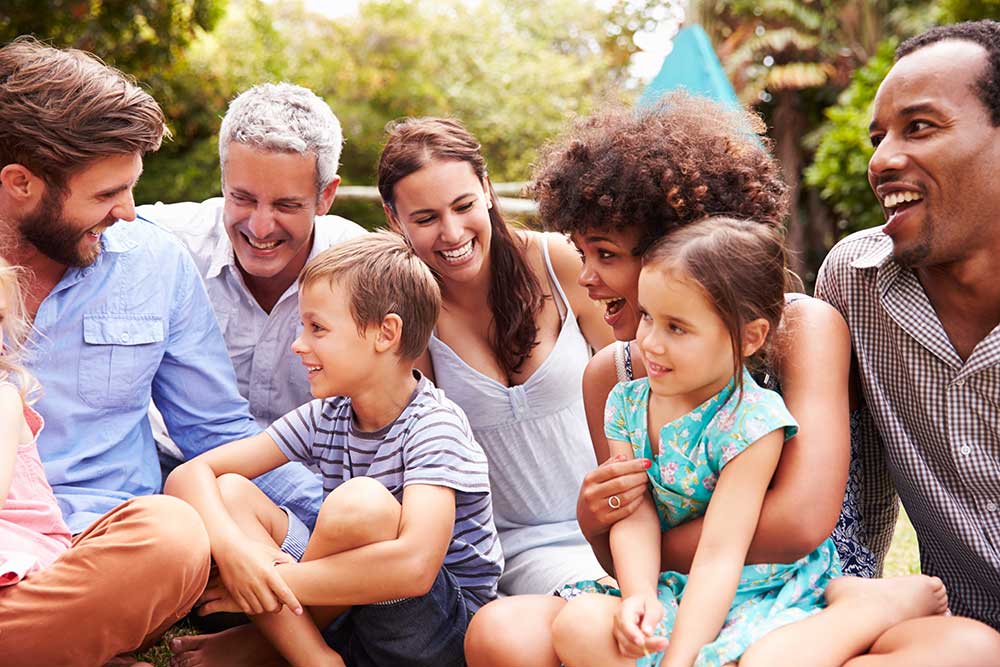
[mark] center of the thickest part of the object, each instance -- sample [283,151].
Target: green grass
[159,655]
[903,557]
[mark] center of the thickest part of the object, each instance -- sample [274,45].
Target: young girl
[32,531]
[709,295]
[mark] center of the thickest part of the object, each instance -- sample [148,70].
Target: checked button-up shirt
[938,417]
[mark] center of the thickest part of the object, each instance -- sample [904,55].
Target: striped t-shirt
[429,443]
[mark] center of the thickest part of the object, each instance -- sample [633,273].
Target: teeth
[894,199]
[609,301]
[458,253]
[313,368]
[263,245]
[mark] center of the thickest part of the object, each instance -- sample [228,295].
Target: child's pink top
[32,531]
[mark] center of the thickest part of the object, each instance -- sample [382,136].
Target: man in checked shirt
[922,300]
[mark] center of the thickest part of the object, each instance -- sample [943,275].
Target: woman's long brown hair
[515,296]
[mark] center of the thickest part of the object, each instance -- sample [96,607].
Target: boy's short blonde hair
[382,275]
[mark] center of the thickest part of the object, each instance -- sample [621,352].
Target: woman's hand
[635,624]
[611,492]
[250,581]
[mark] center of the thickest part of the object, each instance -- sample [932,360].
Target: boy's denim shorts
[428,631]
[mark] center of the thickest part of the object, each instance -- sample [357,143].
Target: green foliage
[137,36]
[513,71]
[840,167]
[953,11]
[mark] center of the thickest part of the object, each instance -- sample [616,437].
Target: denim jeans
[428,631]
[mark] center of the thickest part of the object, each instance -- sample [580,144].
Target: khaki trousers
[131,575]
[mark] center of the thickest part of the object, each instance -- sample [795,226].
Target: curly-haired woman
[616,182]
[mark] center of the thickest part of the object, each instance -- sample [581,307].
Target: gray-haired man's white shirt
[270,376]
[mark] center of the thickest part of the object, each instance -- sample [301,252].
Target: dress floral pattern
[693,450]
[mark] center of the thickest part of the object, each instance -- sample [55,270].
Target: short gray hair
[285,118]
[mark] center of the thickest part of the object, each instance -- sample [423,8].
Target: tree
[136,36]
[840,168]
[514,72]
[791,59]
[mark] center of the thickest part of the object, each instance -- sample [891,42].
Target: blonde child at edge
[404,549]
[709,295]
[32,531]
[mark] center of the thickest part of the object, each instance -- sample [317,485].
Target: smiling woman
[510,345]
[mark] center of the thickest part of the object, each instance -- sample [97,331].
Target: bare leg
[582,635]
[858,612]
[934,641]
[357,513]
[260,520]
[513,632]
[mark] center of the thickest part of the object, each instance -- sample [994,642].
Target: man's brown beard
[53,236]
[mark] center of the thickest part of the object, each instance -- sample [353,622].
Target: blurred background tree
[515,71]
[138,36]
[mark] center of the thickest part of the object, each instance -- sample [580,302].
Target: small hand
[616,482]
[635,624]
[251,581]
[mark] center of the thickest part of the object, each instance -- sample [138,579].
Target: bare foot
[242,646]
[897,598]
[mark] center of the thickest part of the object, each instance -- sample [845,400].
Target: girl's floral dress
[693,450]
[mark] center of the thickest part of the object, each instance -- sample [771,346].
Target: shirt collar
[118,238]
[877,257]
[223,254]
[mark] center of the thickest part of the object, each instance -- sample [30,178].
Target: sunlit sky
[645,64]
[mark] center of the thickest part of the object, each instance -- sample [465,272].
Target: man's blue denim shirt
[133,325]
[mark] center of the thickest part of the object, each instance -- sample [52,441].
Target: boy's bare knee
[360,507]
[234,488]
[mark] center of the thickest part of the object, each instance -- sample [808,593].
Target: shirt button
[124,337]
[959,383]
[966,450]
[991,506]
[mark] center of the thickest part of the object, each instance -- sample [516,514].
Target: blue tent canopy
[692,64]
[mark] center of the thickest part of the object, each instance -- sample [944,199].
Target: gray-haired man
[279,146]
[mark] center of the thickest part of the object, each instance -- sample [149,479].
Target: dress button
[966,450]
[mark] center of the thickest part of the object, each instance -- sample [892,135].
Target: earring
[489,204]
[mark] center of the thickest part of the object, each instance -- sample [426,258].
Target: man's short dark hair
[61,109]
[985,33]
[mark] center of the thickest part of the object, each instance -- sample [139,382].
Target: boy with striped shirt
[404,549]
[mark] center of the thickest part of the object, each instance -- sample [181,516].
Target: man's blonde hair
[382,275]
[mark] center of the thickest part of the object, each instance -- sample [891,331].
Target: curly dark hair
[985,33]
[656,168]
